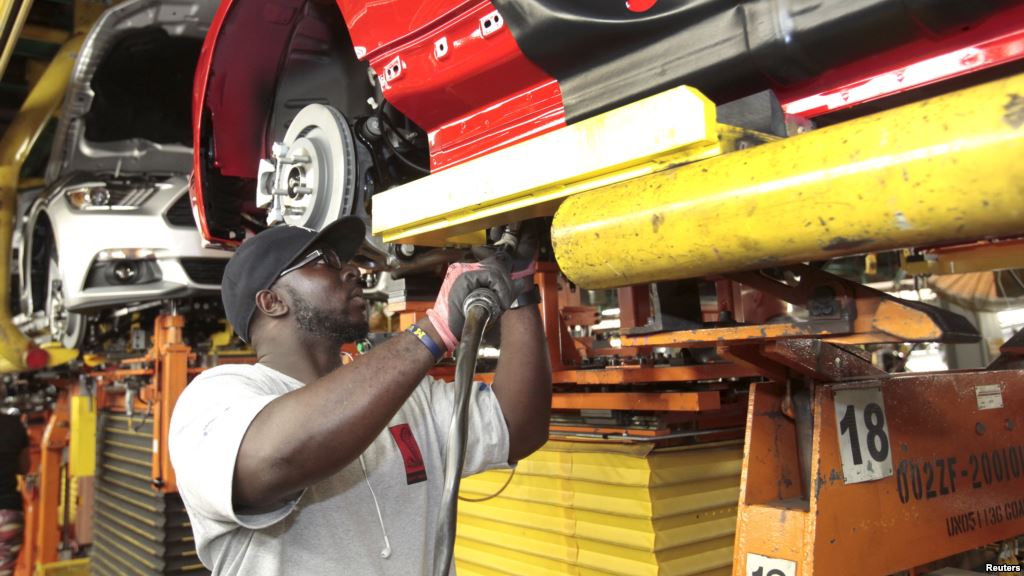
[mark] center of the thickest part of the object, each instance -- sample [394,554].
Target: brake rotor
[317,168]
[65,326]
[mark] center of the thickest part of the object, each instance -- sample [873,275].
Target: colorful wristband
[427,341]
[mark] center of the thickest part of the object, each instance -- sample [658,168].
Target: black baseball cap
[261,259]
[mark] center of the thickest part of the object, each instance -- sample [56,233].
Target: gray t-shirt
[333,526]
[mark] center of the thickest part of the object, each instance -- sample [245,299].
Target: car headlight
[109,196]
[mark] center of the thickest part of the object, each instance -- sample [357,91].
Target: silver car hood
[71,150]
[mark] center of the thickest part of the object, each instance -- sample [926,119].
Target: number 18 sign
[863,435]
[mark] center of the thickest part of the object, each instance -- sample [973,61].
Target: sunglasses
[328,257]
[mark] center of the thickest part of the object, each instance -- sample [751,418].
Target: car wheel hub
[57,313]
[66,327]
[311,180]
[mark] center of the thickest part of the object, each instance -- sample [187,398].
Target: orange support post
[30,500]
[45,514]
[634,306]
[561,349]
[171,372]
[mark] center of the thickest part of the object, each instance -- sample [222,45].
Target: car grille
[204,270]
[180,213]
[130,195]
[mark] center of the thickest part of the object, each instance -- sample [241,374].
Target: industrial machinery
[704,283]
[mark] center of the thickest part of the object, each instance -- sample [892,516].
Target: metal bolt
[1010,424]
[373,127]
[979,428]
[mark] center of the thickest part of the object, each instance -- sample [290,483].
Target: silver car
[115,226]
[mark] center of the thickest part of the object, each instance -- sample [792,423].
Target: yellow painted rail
[947,169]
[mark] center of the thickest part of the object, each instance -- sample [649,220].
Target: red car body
[460,70]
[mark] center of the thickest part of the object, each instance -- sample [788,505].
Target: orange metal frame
[167,366]
[841,311]
[42,495]
[957,481]
[560,309]
[955,441]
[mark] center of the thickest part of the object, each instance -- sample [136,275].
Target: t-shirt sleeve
[210,419]
[487,438]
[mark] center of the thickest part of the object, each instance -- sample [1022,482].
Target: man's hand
[462,279]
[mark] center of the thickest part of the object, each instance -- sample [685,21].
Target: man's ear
[271,304]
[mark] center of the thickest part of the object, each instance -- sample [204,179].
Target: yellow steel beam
[40,104]
[12,17]
[943,170]
[531,178]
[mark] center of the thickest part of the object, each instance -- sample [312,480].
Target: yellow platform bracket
[947,169]
[531,178]
[40,104]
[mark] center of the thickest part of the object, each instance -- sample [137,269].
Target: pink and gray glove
[508,274]
[460,280]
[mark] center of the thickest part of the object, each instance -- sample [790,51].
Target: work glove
[462,279]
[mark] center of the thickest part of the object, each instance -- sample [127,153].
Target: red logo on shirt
[415,470]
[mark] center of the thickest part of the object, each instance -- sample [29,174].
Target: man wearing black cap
[299,465]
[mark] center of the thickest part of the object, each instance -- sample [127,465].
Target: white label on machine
[758,565]
[989,396]
[863,435]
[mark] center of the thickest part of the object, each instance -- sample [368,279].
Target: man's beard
[334,327]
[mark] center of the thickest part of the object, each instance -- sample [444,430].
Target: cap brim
[345,236]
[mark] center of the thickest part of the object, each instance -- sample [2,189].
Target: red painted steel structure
[474,96]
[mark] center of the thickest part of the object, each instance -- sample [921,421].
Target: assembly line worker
[14,460]
[300,465]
